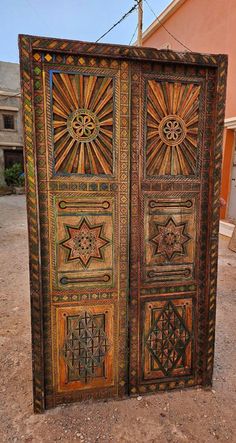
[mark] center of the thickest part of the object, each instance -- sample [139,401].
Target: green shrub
[14,175]
[22,180]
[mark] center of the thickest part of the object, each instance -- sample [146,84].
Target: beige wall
[204,26]
[10,103]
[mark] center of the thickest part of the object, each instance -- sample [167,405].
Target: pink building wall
[204,26]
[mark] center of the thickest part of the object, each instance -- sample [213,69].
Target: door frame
[30,45]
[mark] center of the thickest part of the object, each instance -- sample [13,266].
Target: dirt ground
[193,415]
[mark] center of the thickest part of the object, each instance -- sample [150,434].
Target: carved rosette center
[172,130]
[170,239]
[85,244]
[83,125]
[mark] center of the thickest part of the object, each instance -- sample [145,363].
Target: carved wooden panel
[172,128]
[122,158]
[172,173]
[82,123]
[85,350]
[84,241]
[170,236]
[79,112]
[167,338]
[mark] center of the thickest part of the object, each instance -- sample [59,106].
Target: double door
[122,156]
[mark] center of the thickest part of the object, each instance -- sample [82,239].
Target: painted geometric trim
[33,226]
[119,51]
[214,237]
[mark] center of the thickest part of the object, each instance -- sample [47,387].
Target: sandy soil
[193,415]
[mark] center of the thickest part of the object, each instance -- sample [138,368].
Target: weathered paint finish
[122,152]
[212,30]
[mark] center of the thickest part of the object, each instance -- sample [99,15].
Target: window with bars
[8,121]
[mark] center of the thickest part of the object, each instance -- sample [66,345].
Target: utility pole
[140,22]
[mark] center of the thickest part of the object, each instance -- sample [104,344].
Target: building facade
[208,27]
[11,131]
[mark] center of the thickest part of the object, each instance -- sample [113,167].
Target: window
[12,156]
[8,121]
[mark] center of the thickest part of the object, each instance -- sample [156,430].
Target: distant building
[11,131]
[206,26]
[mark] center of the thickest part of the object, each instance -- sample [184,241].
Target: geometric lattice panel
[85,346]
[172,128]
[168,335]
[82,124]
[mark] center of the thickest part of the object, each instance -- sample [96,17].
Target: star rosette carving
[170,239]
[85,242]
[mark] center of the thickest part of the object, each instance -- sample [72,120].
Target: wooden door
[175,178]
[77,116]
[122,157]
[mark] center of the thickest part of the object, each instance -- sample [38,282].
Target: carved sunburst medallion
[85,242]
[170,239]
[172,128]
[82,123]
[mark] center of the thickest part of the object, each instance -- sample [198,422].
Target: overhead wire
[133,35]
[120,20]
[170,33]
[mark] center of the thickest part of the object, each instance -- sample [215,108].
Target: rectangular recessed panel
[167,338]
[172,128]
[170,232]
[85,238]
[82,121]
[85,356]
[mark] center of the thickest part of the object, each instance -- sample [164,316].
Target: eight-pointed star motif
[84,242]
[170,238]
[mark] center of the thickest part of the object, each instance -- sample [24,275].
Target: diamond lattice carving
[168,339]
[85,346]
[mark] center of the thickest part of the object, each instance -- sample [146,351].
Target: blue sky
[74,19]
